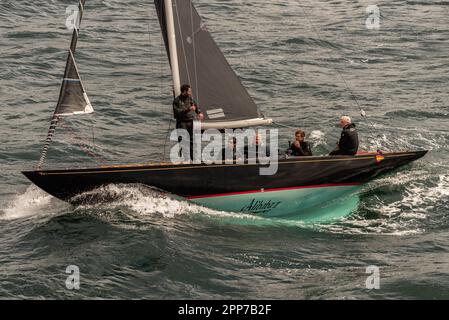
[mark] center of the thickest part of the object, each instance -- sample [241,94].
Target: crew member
[299,147]
[185,111]
[349,140]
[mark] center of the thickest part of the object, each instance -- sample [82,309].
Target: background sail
[73,98]
[217,89]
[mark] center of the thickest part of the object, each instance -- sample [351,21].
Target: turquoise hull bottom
[312,204]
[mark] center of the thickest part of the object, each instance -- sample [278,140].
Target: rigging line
[149,45]
[161,88]
[166,139]
[194,54]
[93,130]
[161,75]
[78,141]
[183,47]
[161,68]
[285,126]
[149,39]
[361,53]
[48,140]
[362,112]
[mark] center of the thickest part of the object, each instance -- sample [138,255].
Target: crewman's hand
[201,116]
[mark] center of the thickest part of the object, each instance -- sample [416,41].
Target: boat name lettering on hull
[260,206]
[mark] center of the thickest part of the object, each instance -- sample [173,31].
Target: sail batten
[217,89]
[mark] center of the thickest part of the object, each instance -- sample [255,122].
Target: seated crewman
[258,146]
[349,140]
[299,147]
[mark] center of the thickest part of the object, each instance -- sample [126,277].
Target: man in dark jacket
[299,147]
[185,111]
[349,140]
[231,152]
[258,146]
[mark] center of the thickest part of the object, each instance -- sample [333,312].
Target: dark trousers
[186,125]
[338,152]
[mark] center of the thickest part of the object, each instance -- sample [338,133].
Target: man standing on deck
[349,140]
[185,111]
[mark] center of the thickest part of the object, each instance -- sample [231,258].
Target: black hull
[193,181]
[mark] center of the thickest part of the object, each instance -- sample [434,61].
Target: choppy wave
[399,205]
[411,195]
[403,216]
[143,201]
[32,203]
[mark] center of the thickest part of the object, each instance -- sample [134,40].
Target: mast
[196,59]
[172,47]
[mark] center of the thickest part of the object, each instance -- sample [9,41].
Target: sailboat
[300,183]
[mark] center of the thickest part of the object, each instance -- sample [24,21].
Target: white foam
[371,143]
[367,227]
[32,202]
[414,138]
[318,137]
[400,178]
[398,218]
[419,197]
[406,215]
[442,188]
[145,201]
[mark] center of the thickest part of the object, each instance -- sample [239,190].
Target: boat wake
[143,201]
[118,203]
[411,138]
[396,205]
[33,202]
[404,204]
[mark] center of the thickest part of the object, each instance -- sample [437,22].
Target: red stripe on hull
[274,190]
